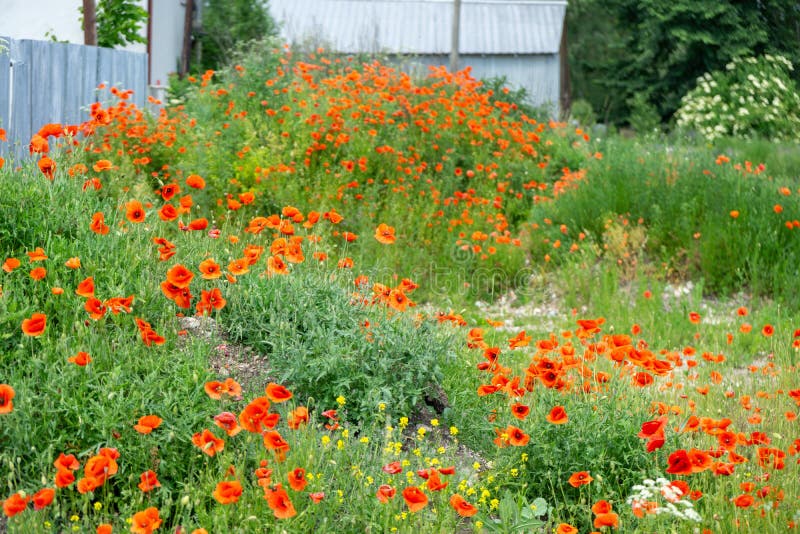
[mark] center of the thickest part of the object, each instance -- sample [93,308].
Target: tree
[658,48]
[89,23]
[226,23]
[112,23]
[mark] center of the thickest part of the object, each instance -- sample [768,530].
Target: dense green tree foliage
[226,23]
[658,48]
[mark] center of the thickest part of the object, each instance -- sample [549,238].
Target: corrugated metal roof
[423,26]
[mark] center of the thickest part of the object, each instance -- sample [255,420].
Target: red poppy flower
[557,416]
[462,507]
[277,393]
[43,498]
[207,442]
[148,481]
[385,493]
[147,424]
[81,359]
[278,500]
[146,521]
[15,504]
[195,181]
[134,212]
[297,479]
[579,479]
[415,498]
[6,398]
[98,224]
[227,492]
[385,234]
[35,325]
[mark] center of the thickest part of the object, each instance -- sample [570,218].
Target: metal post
[455,35]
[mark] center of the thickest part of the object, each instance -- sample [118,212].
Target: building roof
[423,26]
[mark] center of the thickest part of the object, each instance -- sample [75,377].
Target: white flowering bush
[661,497]
[752,97]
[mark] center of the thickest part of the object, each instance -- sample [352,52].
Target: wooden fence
[43,82]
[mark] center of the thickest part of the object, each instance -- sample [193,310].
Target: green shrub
[325,346]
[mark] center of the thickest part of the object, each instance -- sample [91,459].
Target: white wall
[33,19]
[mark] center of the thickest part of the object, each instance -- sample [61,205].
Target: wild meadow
[313,294]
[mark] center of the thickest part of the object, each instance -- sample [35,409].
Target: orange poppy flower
[228,492]
[239,267]
[35,325]
[6,398]
[520,340]
[557,416]
[104,528]
[167,213]
[148,481]
[98,225]
[743,501]
[415,498]
[118,304]
[579,479]
[48,167]
[273,441]
[169,190]
[255,415]
[10,264]
[100,467]
[345,263]
[102,165]
[38,273]
[209,269]
[247,198]
[43,498]
[37,255]
[215,389]
[694,318]
[277,393]
[207,442]
[195,181]
[180,276]
[95,308]
[520,411]
[297,417]
[297,479]
[278,500]
[679,463]
[275,265]
[434,482]
[146,521]
[227,422]
[199,224]
[385,234]
[73,263]
[15,504]
[3,135]
[462,507]
[333,217]
[734,214]
[64,478]
[565,528]
[385,493]
[609,519]
[81,359]
[66,461]
[134,212]
[210,300]
[85,288]
[349,236]
[147,424]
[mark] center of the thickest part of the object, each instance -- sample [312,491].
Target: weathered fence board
[43,82]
